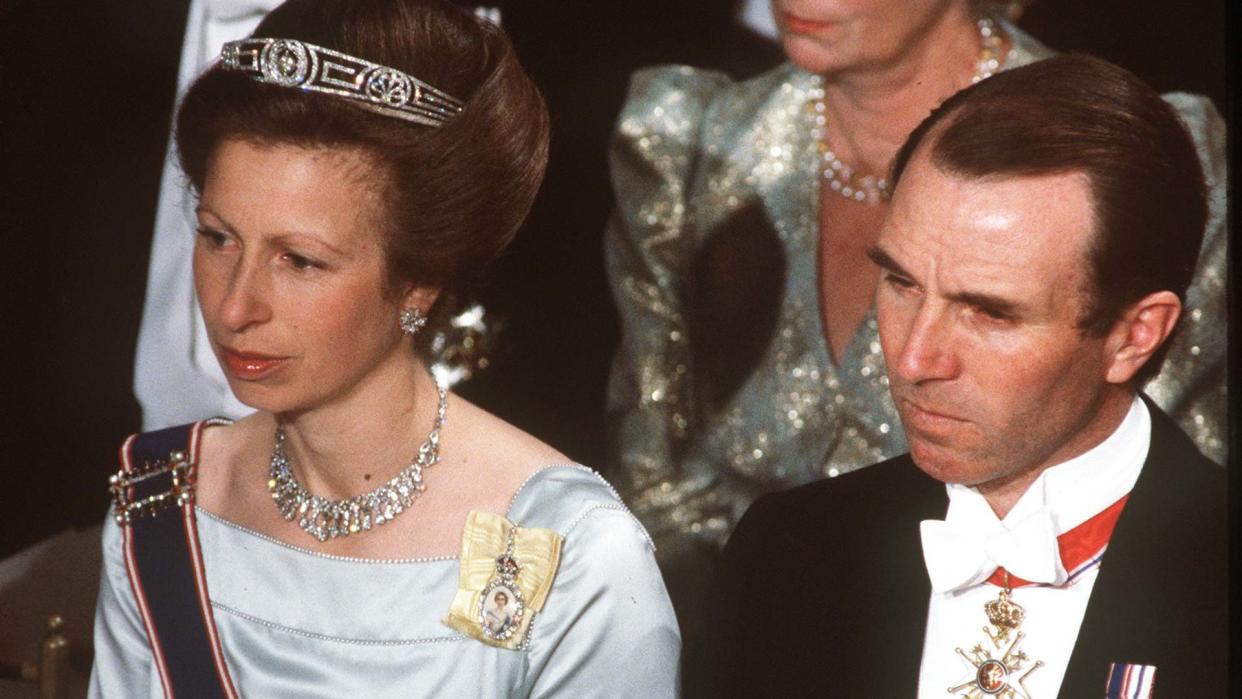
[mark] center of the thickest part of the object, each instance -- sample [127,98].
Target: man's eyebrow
[886,261]
[988,302]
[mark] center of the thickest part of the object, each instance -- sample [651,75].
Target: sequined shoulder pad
[506,573]
[668,107]
[669,98]
[658,128]
[655,149]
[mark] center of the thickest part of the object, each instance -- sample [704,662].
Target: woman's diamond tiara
[297,64]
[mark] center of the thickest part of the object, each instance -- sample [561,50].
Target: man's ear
[1141,330]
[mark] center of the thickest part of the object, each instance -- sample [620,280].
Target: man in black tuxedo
[1051,532]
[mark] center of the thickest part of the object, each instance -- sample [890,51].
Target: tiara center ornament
[285,62]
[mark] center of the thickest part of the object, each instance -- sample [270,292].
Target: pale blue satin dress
[295,623]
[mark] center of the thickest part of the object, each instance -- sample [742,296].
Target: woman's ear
[420,297]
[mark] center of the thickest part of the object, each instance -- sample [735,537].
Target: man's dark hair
[1076,113]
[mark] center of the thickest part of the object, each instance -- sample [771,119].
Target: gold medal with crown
[1002,675]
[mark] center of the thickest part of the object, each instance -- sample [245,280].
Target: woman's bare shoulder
[223,440]
[225,450]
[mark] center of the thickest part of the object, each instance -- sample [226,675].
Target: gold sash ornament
[506,573]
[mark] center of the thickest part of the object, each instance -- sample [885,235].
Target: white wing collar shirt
[176,376]
[965,549]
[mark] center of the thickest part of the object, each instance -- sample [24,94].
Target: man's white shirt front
[1071,492]
[176,376]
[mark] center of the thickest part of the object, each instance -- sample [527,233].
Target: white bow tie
[958,555]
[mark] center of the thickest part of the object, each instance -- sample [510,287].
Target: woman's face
[290,272]
[827,36]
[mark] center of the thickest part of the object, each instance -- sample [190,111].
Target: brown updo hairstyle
[452,196]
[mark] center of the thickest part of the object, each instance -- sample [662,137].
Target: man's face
[984,284]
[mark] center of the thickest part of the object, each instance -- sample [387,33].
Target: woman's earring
[412,320]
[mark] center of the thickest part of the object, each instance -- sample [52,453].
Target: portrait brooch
[506,573]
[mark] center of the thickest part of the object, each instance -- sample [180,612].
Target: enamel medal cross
[995,676]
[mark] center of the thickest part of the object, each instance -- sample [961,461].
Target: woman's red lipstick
[250,366]
[799,25]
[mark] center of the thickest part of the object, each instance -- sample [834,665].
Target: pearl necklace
[870,189]
[328,519]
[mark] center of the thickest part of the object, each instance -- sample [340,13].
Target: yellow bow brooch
[506,573]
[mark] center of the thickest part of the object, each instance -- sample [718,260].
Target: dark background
[87,92]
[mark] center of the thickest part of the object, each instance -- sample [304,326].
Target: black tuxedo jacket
[822,590]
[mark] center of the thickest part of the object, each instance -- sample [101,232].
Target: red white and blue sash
[165,563]
[1082,548]
[1126,681]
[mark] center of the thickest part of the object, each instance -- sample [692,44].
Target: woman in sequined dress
[749,358]
[352,159]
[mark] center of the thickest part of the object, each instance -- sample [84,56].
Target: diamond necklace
[871,189]
[327,519]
